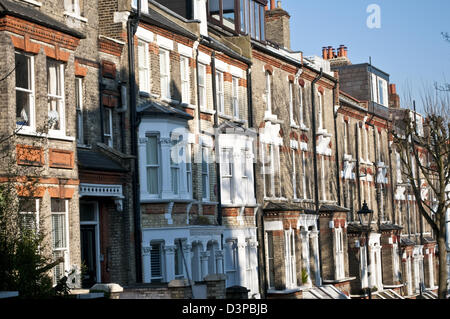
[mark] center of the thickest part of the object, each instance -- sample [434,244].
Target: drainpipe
[123,108]
[358,176]
[132,25]
[216,125]
[337,145]
[316,186]
[391,181]
[101,86]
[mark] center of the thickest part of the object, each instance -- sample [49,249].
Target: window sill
[51,136]
[170,101]
[294,125]
[212,112]
[304,128]
[77,17]
[165,200]
[224,116]
[190,106]
[303,201]
[35,3]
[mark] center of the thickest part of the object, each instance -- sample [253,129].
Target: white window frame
[235,97]
[164,61]
[58,96]
[158,165]
[290,260]
[339,240]
[185,80]
[79,109]
[294,174]
[227,160]
[291,103]
[268,92]
[220,92]
[36,213]
[72,7]
[346,132]
[31,94]
[205,174]
[231,262]
[304,165]
[108,117]
[300,106]
[269,249]
[175,166]
[144,67]
[203,102]
[189,169]
[63,250]
[320,111]
[178,260]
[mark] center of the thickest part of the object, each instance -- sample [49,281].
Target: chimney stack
[278,28]
[337,57]
[394,98]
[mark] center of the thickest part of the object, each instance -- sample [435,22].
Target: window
[156,263]
[291,102]
[79,109]
[153,165]
[56,107]
[60,234]
[144,67]
[25,112]
[366,146]
[164,73]
[380,86]
[320,111]
[235,97]
[270,260]
[323,179]
[300,106]
[179,260]
[108,126]
[240,16]
[175,161]
[29,214]
[185,80]
[339,242]
[268,92]
[73,6]
[346,141]
[202,85]
[220,92]
[399,167]
[188,169]
[294,175]
[305,195]
[227,171]
[291,273]
[205,173]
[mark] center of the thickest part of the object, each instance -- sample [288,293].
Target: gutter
[132,24]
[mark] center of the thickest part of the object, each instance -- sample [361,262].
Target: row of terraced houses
[183,150]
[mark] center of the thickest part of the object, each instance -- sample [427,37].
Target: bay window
[227,171]
[56,103]
[25,109]
[240,16]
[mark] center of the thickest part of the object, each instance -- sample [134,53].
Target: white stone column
[204,258]
[241,263]
[187,259]
[219,261]
[146,264]
[253,280]
[314,235]
[305,255]
[170,262]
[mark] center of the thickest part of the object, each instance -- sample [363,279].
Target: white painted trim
[204,58]
[95,223]
[164,42]
[221,66]
[185,50]
[237,72]
[273,225]
[145,35]
[35,3]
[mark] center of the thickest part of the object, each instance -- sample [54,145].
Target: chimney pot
[393,88]
[279,4]
[324,53]
[272,4]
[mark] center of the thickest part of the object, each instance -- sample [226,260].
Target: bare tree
[426,164]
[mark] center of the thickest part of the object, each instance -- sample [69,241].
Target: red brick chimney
[394,98]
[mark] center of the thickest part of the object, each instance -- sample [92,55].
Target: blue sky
[408,46]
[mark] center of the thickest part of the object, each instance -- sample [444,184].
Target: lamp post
[365,218]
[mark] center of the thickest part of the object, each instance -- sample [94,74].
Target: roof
[407,242]
[160,109]
[333,208]
[275,206]
[390,227]
[156,18]
[28,13]
[89,159]
[356,228]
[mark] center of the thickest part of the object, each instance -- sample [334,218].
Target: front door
[89,255]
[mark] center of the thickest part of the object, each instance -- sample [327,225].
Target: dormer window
[239,16]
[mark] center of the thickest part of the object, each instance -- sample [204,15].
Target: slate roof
[159,20]
[89,159]
[156,108]
[390,227]
[333,208]
[25,12]
[275,206]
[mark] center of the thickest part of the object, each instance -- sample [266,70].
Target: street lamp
[365,218]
